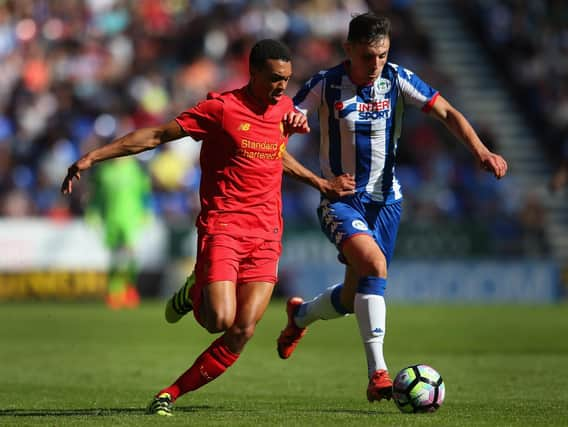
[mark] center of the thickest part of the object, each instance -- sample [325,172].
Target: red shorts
[221,257]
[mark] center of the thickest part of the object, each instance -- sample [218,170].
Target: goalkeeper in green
[121,191]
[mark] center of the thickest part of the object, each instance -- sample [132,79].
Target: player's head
[270,66]
[367,46]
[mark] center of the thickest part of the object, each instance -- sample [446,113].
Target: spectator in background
[68,65]
[529,39]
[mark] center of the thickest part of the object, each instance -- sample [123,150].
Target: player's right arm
[132,143]
[460,127]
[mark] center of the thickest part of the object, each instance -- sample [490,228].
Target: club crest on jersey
[359,225]
[383,86]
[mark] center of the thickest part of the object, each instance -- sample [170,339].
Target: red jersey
[241,163]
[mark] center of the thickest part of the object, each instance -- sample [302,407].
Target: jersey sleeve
[415,91]
[202,119]
[308,97]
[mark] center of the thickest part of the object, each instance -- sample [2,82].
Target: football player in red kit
[240,223]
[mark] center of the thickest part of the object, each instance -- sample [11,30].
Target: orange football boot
[380,386]
[291,334]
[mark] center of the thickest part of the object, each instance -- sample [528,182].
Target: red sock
[208,366]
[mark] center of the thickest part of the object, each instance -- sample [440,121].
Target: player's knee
[374,266]
[242,334]
[217,323]
[368,263]
[238,336]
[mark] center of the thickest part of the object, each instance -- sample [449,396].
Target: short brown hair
[368,27]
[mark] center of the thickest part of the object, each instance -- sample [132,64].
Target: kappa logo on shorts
[359,225]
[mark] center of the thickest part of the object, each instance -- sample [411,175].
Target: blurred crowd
[531,39]
[75,74]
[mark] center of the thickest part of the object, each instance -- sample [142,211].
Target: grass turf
[66,364]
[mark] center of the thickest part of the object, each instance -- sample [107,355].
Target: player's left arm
[460,127]
[335,188]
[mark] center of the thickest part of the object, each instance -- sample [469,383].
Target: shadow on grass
[91,412]
[109,412]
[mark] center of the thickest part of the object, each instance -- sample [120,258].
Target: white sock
[371,312]
[321,307]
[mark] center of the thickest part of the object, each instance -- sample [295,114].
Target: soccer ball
[418,388]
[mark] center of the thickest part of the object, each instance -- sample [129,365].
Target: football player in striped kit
[360,105]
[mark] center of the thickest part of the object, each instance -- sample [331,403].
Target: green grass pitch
[64,364]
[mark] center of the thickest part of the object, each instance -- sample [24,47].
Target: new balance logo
[244,126]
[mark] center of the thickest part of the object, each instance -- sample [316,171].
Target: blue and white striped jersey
[360,125]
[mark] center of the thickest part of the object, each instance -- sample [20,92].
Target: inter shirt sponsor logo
[373,110]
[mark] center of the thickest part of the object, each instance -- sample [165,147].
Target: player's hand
[340,186]
[494,164]
[295,122]
[74,171]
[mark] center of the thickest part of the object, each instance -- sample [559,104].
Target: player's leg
[325,306]
[257,276]
[132,297]
[368,257]
[223,307]
[116,286]
[181,302]
[333,302]
[218,307]
[129,274]
[121,290]
[209,252]
[210,364]
[368,269]
[252,299]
